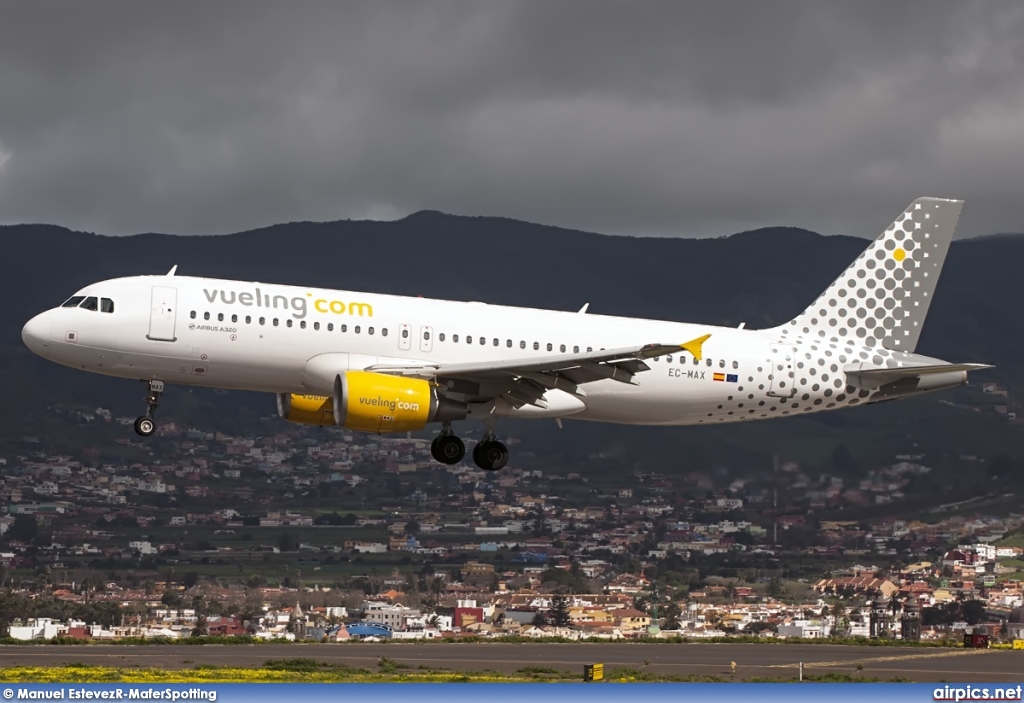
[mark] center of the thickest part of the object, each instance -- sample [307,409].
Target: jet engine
[373,402]
[306,409]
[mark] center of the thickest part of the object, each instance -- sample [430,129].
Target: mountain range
[759,278]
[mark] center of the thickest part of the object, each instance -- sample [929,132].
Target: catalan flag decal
[719,377]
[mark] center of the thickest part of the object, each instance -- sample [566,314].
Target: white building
[394,616]
[38,629]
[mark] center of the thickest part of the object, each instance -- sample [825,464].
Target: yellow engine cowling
[375,402]
[306,409]
[372,402]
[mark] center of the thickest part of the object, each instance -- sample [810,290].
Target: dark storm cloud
[623,117]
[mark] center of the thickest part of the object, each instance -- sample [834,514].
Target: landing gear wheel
[145,426]
[490,455]
[449,449]
[433,449]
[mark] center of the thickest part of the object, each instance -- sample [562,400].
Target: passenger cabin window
[234,318]
[192,314]
[384,332]
[455,337]
[220,317]
[440,336]
[73,302]
[316,325]
[302,324]
[90,303]
[330,326]
[248,319]
[106,305]
[206,316]
[288,323]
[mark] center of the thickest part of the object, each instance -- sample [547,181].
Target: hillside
[761,278]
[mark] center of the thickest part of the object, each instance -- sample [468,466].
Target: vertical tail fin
[883,297]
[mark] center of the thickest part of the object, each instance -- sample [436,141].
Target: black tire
[145,426]
[450,450]
[490,456]
[434,450]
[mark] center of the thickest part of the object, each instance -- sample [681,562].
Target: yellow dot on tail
[899,255]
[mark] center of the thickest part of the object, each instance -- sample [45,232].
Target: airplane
[383,363]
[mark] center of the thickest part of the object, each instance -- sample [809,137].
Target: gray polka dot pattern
[882,299]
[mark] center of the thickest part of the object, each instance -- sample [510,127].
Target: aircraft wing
[523,381]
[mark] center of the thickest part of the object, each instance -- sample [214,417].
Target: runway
[775,661]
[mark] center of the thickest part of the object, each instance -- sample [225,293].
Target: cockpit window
[89,303]
[106,305]
[73,301]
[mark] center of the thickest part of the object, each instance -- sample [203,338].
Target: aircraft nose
[36,333]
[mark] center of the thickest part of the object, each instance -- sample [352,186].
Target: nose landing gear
[145,425]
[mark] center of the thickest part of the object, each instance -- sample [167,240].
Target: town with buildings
[302,534]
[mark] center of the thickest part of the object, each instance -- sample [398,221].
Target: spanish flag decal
[719,377]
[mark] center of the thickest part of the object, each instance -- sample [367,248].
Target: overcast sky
[642,118]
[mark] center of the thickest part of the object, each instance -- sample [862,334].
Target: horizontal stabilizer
[871,378]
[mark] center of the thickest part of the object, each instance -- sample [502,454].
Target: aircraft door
[783,371]
[162,314]
[404,337]
[426,338]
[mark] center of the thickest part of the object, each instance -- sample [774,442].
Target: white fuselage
[259,337]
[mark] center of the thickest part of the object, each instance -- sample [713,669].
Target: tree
[202,628]
[540,620]
[190,579]
[23,529]
[673,616]
[172,599]
[285,543]
[560,611]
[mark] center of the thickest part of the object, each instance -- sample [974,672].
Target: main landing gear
[489,454]
[146,425]
[446,447]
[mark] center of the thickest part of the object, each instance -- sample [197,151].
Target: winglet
[583,310]
[694,346]
[173,270]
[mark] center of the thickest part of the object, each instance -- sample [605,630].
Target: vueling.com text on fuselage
[298,305]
